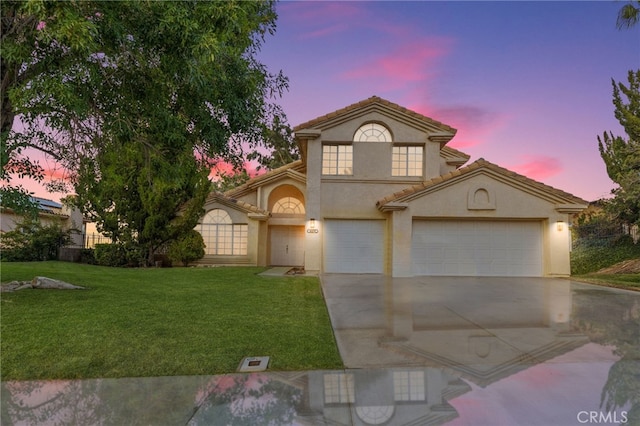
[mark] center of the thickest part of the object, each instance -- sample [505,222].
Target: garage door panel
[354,246]
[483,248]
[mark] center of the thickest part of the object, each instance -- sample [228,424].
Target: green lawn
[626,281]
[586,261]
[158,322]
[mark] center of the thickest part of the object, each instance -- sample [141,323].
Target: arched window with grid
[372,132]
[288,206]
[221,236]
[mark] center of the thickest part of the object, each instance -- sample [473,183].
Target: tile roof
[453,155]
[371,101]
[296,166]
[224,199]
[414,191]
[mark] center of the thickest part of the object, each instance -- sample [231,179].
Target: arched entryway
[286,226]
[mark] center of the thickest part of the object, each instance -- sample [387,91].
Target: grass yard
[625,281]
[160,322]
[587,261]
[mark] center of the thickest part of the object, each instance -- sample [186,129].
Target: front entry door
[287,245]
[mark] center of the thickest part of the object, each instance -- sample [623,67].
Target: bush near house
[119,255]
[187,248]
[586,259]
[32,241]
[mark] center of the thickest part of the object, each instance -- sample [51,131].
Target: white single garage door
[354,246]
[477,248]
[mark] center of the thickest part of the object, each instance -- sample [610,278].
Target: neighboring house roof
[44,204]
[217,197]
[478,167]
[443,132]
[295,170]
[45,207]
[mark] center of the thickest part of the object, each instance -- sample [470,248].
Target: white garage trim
[354,246]
[477,248]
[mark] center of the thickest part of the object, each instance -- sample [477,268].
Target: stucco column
[558,262]
[313,238]
[400,236]
[432,160]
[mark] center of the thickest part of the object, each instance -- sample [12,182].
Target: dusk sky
[527,84]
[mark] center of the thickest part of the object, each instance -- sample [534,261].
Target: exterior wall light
[312,226]
[560,225]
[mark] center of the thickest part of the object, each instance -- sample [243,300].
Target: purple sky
[527,84]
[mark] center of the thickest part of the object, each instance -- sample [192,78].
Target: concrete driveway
[521,345]
[381,321]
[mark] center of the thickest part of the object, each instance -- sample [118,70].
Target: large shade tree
[135,99]
[622,155]
[629,14]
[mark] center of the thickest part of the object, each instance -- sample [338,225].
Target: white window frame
[407,160]
[288,205]
[372,132]
[339,388]
[337,160]
[409,385]
[221,236]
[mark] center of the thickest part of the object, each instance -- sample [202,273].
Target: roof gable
[440,132]
[295,171]
[482,166]
[453,156]
[217,197]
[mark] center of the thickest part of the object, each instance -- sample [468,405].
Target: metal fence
[90,240]
[603,234]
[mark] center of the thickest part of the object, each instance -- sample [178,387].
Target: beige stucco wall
[69,218]
[452,202]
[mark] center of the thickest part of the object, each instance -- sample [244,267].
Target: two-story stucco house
[378,191]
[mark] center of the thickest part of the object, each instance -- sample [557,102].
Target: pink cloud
[538,166]
[319,19]
[475,124]
[223,167]
[411,63]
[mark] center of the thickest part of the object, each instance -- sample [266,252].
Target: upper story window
[408,385]
[337,160]
[372,132]
[288,205]
[406,161]
[339,388]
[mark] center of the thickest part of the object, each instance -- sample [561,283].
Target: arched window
[221,236]
[288,205]
[217,216]
[375,415]
[372,132]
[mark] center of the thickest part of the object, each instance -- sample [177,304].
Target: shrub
[588,259]
[187,248]
[32,241]
[110,255]
[120,255]
[88,256]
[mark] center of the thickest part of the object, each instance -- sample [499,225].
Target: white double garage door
[439,247]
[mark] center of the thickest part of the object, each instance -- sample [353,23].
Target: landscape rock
[39,283]
[16,285]
[50,283]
